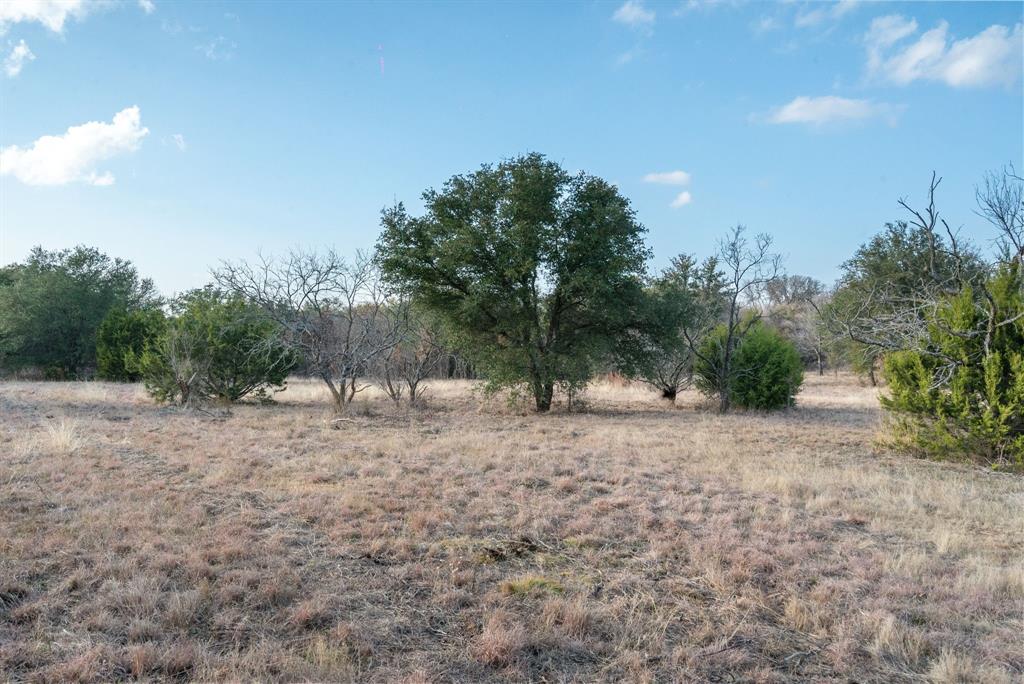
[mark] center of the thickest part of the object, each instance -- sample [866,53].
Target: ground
[469,540]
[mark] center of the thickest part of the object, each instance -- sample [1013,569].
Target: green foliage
[895,267]
[121,338]
[962,395]
[215,347]
[537,273]
[766,370]
[679,305]
[52,305]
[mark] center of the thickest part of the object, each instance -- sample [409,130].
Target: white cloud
[16,60]
[682,199]
[884,33]
[179,141]
[50,13]
[817,111]
[72,157]
[668,178]
[633,13]
[992,57]
[148,6]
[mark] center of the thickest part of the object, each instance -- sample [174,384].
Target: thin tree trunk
[543,393]
[335,394]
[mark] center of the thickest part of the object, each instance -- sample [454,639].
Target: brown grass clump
[471,540]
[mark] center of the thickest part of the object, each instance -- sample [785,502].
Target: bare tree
[747,269]
[891,314]
[329,311]
[417,354]
[796,305]
[1001,203]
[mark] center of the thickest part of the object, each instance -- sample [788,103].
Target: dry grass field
[467,541]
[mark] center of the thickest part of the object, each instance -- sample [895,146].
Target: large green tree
[536,271]
[52,305]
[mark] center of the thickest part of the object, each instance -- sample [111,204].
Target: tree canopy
[52,305]
[535,270]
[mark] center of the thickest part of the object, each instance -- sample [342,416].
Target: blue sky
[181,133]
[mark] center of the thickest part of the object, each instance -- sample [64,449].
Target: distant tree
[891,284]
[216,347]
[536,272]
[748,267]
[51,307]
[795,308]
[419,352]
[684,300]
[330,312]
[122,337]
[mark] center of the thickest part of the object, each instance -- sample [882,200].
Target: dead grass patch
[470,540]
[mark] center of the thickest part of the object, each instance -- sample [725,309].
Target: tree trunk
[723,401]
[871,376]
[669,393]
[335,394]
[542,394]
[821,365]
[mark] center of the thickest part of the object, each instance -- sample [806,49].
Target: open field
[469,541]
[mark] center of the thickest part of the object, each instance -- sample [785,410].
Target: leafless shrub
[416,355]
[330,310]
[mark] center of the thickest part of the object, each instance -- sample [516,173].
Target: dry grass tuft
[500,642]
[531,584]
[64,437]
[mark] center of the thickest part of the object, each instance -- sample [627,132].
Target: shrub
[216,347]
[766,371]
[961,395]
[121,339]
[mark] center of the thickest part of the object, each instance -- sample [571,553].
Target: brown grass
[473,540]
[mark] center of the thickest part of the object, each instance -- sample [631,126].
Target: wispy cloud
[218,49]
[822,12]
[73,156]
[632,13]
[179,141]
[19,55]
[830,109]
[992,57]
[668,178]
[766,24]
[148,6]
[695,5]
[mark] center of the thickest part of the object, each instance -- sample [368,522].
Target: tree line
[535,280]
